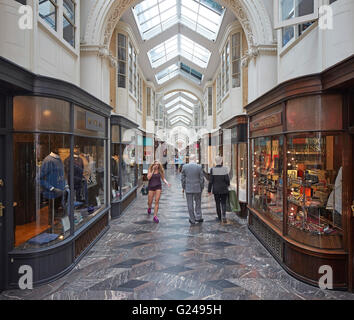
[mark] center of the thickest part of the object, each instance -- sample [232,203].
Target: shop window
[314,194]
[122,60]
[233,172]
[87,123]
[128,163]
[236,60]
[48,12]
[88,178]
[267,182]
[41,114]
[41,189]
[242,171]
[69,21]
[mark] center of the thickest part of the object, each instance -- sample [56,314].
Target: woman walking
[219,182]
[155,175]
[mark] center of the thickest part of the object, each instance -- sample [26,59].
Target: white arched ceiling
[105,14]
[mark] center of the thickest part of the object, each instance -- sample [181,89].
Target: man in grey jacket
[193,184]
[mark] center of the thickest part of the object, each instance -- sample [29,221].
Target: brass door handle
[1,209]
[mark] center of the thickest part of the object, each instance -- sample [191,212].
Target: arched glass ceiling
[187,94]
[187,122]
[176,69]
[178,100]
[155,16]
[179,107]
[179,45]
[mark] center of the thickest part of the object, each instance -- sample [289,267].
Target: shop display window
[267,184]
[41,189]
[89,124]
[242,171]
[88,177]
[41,114]
[314,194]
[50,203]
[233,172]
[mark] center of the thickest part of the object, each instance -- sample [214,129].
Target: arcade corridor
[138,259]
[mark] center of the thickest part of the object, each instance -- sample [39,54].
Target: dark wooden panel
[306,265]
[46,265]
[89,235]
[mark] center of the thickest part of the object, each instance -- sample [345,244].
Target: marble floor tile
[139,259]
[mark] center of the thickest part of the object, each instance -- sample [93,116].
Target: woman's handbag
[232,204]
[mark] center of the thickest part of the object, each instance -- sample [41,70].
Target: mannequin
[52,182]
[78,174]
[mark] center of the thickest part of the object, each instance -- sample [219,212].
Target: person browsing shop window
[155,175]
[219,182]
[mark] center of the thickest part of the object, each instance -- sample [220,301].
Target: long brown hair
[161,169]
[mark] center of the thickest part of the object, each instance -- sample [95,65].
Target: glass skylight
[180,106]
[155,16]
[202,16]
[179,45]
[167,73]
[180,93]
[179,100]
[185,120]
[169,95]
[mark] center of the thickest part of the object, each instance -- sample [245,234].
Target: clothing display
[52,176]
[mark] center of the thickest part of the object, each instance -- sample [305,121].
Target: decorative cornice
[254,51]
[101,51]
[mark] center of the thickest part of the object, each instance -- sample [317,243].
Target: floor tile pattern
[139,259]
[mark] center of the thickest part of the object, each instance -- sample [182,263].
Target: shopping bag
[145,190]
[232,204]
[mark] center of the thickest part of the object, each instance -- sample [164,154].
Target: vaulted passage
[257,94]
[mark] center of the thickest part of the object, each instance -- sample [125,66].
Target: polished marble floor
[139,259]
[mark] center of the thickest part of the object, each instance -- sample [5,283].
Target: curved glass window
[41,216]
[88,178]
[267,184]
[314,195]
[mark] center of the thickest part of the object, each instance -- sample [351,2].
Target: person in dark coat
[219,183]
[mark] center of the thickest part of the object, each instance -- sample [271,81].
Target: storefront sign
[270,121]
[94,122]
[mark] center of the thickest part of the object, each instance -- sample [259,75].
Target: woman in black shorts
[155,175]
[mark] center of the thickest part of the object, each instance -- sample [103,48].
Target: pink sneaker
[156,219]
[149,211]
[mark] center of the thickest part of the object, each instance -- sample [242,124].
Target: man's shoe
[200,220]
[224,220]
[191,222]
[218,219]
